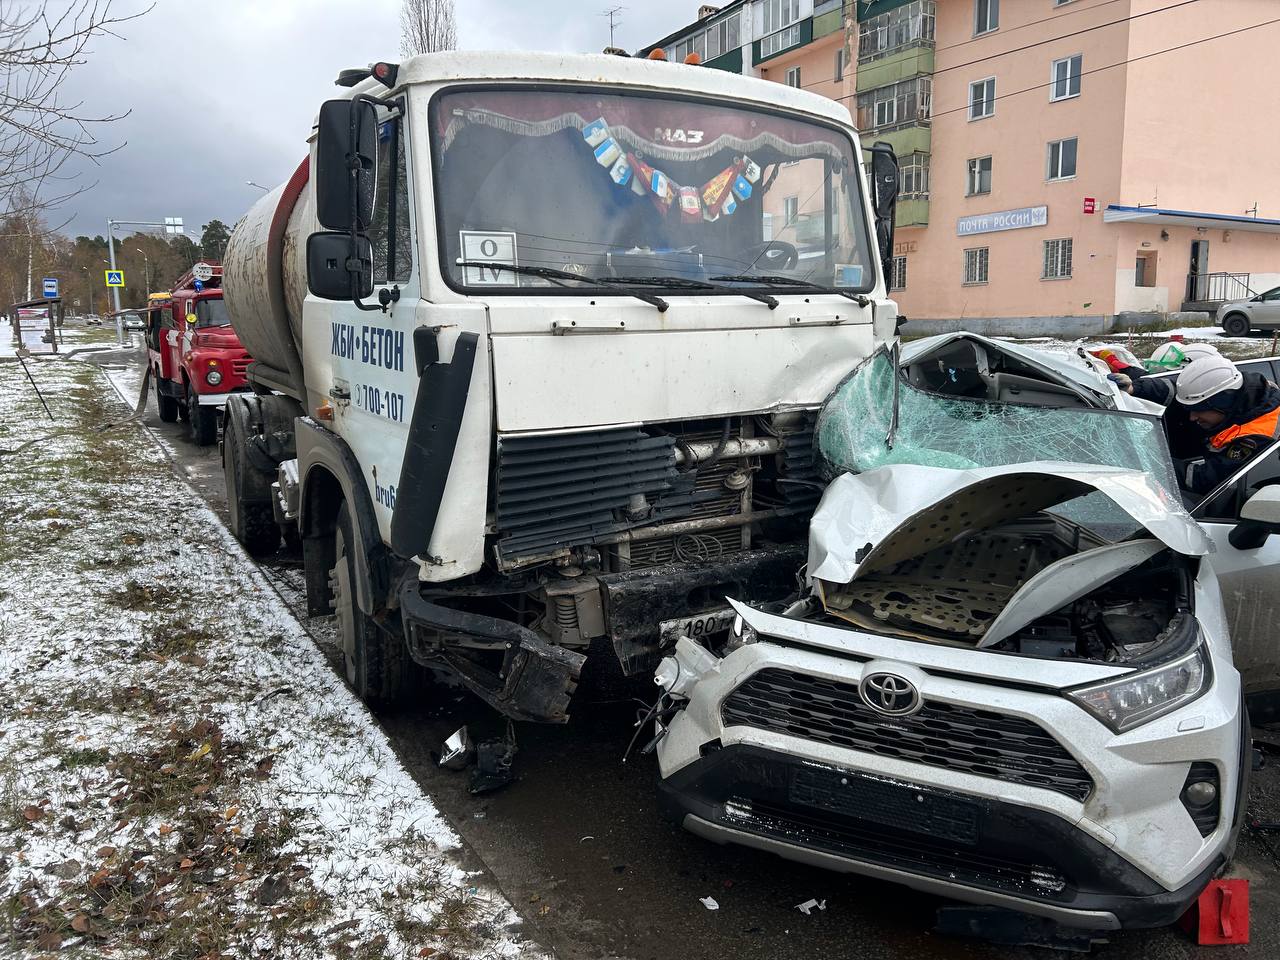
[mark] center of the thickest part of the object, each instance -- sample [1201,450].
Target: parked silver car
[1238,318]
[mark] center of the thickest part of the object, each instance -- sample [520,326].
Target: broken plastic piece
[810,905]
[458,751]
[1220,914]
[678,674]
[494,759]
[709,903]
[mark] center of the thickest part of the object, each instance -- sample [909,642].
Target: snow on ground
[181,773]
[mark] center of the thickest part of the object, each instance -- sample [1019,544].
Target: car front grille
[902,846]
[980,742]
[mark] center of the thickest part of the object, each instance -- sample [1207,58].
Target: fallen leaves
[32,813]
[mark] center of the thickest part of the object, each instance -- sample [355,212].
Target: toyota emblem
[890,694]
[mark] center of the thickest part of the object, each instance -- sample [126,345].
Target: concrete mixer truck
[538,344]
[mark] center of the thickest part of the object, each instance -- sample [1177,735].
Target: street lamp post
[146,270]
[88,284]
[259,186]
[170,224]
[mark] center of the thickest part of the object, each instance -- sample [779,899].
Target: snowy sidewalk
[181,773]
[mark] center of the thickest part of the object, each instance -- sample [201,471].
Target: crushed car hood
[869,521]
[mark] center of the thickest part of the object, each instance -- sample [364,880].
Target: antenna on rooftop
[614,20]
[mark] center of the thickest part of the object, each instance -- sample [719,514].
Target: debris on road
[494,760]
[163,803]
[810,905]
[458,751]
[710,903]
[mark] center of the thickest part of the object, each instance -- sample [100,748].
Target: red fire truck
[196,358]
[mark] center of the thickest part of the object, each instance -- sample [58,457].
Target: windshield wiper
[549,273]
[768,280]
[685,283]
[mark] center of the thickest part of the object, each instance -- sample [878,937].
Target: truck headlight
[1141,697]
[214,377]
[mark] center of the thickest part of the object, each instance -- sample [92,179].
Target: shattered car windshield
[942,431]
[634,185]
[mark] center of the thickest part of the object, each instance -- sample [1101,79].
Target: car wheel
[167,405]
[204,420]
[375,662]
[1236,325]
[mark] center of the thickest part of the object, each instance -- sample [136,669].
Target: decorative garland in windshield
[718,196]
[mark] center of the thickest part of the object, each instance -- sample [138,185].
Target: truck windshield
[630,185]
[211,313]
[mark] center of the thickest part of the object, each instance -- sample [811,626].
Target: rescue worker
[1239,411]
[1169,356]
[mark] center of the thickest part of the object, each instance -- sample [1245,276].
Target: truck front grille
[980,742]
[563,491]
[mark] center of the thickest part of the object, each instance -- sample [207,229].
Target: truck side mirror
[884,198]
[338,267]
[1259,518]
[346,164]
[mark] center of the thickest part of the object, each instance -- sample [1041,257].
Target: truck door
[1250,579]
[371,352]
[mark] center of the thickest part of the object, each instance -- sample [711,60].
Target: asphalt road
[579,848]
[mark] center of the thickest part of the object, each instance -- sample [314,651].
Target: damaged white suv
[1010,681]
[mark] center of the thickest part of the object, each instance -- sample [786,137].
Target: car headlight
[1141,697]
[214,377]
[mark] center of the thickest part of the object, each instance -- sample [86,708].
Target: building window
[979,176]
[1062,159]
[1057,260]
[906,102]
[1061,3]
[910,23]
[1065,78]
[793,76]
[976,263]
[986,16]
[780,27]
[913,177]
[898,273]
[721,37]
[724,37]
[790,210]
[982,98]
[839,65]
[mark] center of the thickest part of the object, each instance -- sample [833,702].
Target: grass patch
[143,596]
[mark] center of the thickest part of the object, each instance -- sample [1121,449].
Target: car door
[1264,312]
[1250,579]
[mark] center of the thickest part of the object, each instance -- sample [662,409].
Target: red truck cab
[196,358]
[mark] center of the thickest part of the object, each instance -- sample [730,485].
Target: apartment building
[1064,162]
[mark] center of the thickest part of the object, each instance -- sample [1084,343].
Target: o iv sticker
[495,248]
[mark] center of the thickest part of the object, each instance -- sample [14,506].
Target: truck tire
[204,420]
[165,404]
[376,662]
[252,520]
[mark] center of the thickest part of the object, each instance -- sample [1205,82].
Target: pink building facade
[1066,164]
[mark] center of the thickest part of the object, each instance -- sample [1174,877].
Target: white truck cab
[539,341]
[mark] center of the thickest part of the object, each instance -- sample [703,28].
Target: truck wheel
[252,522]
[376,662]
[166,404]
[204,420]
[1236,325]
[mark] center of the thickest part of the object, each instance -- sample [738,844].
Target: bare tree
[427,26]
[41,129]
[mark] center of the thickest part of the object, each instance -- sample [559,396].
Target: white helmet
[1207,377]
[1174,354]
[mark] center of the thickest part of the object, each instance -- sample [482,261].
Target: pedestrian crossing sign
[115,278]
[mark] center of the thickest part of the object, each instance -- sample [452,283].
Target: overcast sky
[224,91]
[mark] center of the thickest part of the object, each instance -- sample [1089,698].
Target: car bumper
[1127,854]
[217,399]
